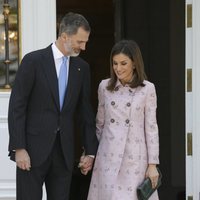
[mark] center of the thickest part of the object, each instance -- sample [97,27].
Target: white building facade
[38,29]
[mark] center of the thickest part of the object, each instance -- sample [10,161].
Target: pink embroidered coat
[128,134]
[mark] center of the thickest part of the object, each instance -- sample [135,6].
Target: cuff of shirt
[91,156]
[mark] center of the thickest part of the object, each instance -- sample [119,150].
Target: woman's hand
[153,174]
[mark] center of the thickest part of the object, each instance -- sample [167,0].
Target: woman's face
[123,67]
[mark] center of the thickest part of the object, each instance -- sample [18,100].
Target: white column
[196,98]
[38,24]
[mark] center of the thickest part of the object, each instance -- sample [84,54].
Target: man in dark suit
[42,111]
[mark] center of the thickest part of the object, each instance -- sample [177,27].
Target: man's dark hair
[71,22]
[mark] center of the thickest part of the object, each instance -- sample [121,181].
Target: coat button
[112,120]
[116,89]
[127,121]
[112,103]
[128,104]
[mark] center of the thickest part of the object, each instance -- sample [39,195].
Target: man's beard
[70,50]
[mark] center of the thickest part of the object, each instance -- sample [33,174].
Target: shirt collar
[56,52]
[119,84]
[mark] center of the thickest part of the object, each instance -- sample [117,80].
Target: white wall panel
[196,98]
[7,168]
[193,101]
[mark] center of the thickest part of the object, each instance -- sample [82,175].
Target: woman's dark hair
[132,50]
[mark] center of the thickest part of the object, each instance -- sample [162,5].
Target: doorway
[159,29]
[100,14]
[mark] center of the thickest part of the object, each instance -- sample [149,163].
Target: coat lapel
[50,72]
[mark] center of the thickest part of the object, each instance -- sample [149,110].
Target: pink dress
[128,140]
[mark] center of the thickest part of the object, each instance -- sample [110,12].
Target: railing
[6,11]
[9,44]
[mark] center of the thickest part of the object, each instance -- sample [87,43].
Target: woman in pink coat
[126,128]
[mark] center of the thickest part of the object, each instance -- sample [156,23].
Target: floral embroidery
[126,118]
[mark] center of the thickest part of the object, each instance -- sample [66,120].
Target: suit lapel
[73,78]
[50,72]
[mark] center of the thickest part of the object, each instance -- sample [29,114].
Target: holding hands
[86,163]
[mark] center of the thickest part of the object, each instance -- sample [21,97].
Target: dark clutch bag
[145,190]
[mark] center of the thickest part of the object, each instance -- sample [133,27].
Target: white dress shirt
[57,55]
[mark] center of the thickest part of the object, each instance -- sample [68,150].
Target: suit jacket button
[127,121]
[57,130]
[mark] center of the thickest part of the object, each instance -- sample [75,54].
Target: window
[9,42]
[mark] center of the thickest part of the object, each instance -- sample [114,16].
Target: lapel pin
[79,69]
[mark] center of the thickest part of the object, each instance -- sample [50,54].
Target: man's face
[76,43]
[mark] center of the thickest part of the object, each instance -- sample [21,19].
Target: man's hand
[85,164]
[22,159]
